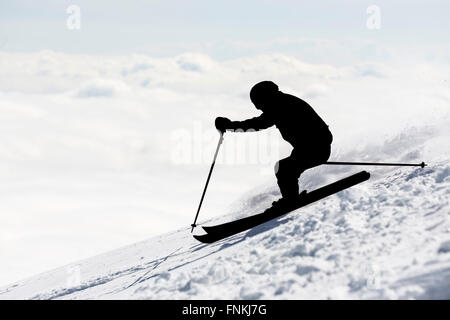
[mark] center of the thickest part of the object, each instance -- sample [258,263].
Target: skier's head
[263,94]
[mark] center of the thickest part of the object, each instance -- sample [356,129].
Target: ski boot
[286,203]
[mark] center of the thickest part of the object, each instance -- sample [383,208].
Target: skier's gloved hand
[222,124]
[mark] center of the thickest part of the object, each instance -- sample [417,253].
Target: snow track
[386,238]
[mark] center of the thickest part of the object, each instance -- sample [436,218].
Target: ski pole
[423,164]
[207,180]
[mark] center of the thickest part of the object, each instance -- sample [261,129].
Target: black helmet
[262,91]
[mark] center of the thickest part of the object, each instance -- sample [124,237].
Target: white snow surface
[387,238]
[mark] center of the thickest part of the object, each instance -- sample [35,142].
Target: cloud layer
[86,148]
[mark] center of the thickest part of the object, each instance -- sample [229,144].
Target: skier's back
[299,125]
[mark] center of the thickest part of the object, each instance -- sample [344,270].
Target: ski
[222,231]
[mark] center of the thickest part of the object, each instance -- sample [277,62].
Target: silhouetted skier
[299,125]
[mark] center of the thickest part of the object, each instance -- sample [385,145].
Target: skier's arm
[253,124]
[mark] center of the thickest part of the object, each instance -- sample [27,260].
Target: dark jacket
[297,121]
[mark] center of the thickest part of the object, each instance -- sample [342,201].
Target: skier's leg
[287,172]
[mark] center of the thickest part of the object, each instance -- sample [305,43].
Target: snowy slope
[92,158]
[386,238]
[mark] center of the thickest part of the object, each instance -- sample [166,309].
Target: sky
[106,130]
[222,29]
